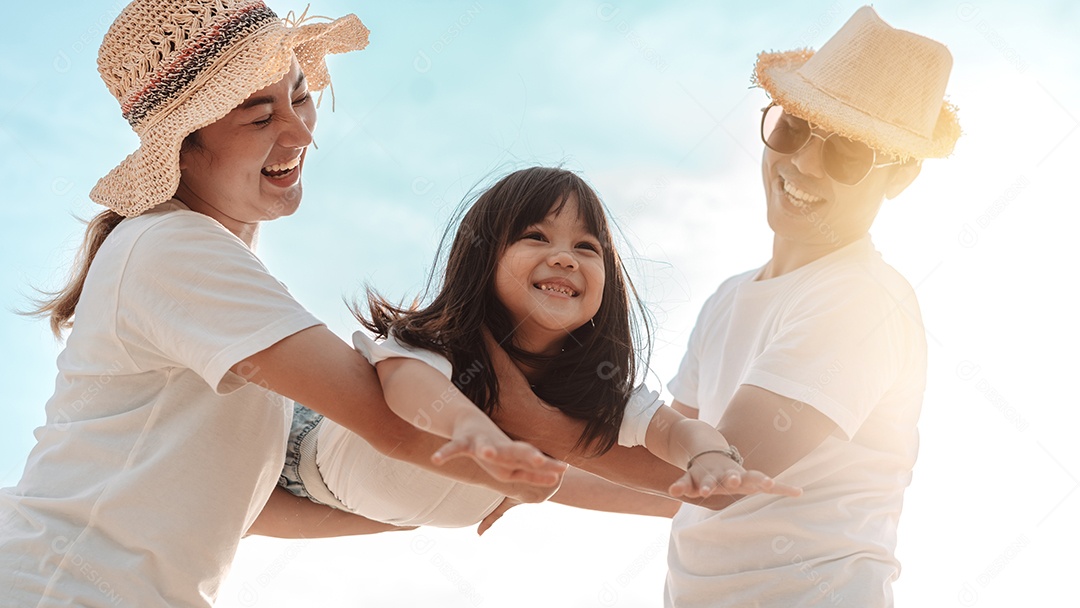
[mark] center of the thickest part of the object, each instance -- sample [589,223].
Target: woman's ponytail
[59,306]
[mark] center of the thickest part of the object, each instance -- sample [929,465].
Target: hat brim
[777,74]
[150,175]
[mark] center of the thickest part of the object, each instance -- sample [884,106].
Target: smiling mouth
[799,198]
[563,289]
[281,170]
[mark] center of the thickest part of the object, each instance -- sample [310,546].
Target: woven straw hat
[176,66]
[872,83]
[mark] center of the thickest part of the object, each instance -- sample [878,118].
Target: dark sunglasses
[846,161]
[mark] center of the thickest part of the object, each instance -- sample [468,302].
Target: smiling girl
[534,267]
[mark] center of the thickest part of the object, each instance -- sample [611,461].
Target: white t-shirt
[844,335]
[154,458]
[394,491]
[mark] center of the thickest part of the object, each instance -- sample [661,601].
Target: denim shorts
[303,422]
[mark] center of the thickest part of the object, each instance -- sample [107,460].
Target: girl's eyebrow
[269,99]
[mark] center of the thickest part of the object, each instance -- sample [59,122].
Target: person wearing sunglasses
[814,364]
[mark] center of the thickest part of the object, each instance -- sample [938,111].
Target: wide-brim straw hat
[871,83]
[176,66]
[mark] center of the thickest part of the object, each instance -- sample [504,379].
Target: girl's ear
[902,177]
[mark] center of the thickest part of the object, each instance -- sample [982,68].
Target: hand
[503,507]
[714,473]
[526,493]
[501,457]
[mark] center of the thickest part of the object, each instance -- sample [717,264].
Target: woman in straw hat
[163,440]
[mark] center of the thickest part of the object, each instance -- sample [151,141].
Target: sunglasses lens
[846,161]
[782,132]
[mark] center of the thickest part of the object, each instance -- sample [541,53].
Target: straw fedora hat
[176,66]
[872,83]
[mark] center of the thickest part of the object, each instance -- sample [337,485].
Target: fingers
[517,452]
[733,481]
[485,524]
[784,489]
[452,449]
[535,478]
[681,487]
[521,461]
[756,482]
[511,462]
[519,455]
[702,481]
[494,516]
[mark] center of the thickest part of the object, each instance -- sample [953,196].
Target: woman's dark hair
[594,376]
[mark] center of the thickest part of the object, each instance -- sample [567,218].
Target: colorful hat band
[168,82]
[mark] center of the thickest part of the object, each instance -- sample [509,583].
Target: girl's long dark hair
[593,377]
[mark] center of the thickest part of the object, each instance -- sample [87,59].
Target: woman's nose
[298,132]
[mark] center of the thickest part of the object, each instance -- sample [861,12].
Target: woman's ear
[902,177]
[191,143]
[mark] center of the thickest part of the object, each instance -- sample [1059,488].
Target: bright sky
[651,102]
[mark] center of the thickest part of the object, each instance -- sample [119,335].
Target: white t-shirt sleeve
[194,295]
[640,410]
[389,348]
[684,386]
[839,355]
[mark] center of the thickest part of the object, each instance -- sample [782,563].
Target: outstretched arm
[671,435]
[419,393]
[703,453]
[524,416]
[584,490]
[587,491]
[634,468]
[318,369]
[289,516]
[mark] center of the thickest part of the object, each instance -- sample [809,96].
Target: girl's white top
[401,493]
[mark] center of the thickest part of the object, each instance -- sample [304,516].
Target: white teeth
[798,197]
[292,164]
[559,288]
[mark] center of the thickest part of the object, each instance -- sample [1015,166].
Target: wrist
[730,452]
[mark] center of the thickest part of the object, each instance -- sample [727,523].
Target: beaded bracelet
[731,452]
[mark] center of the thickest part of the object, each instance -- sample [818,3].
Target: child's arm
[706,456]
[421,395]
[318,369]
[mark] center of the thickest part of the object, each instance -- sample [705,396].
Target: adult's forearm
[524,417]
[288,516]
[318,369]
[638,469]
[587,491]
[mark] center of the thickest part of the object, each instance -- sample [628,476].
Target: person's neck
[535,346]
[245,231]
[791,255]
[531,372]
